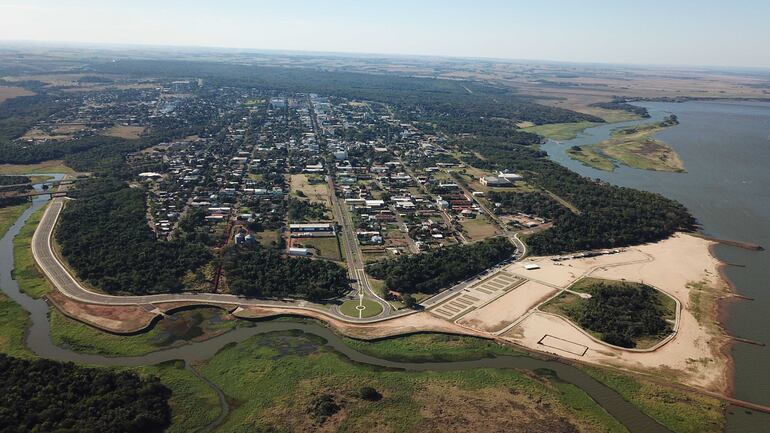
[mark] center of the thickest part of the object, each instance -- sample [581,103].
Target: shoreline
[720,316]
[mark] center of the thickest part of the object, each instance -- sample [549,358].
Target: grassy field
[634,147]
[193,403]
[127,132]
[431,347]
[52,166]
[589,156]
[479,228]
[314,192]
[560,131]
[185,326]
[9,92]
[327,248]
[680,411]
[293,372]
[9,215]
[31,280]
[269,238]
[13,328]
[372,308]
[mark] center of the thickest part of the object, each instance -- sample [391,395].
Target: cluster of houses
[393,178]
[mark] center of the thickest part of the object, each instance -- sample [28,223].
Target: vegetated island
[634,147]
[621,313]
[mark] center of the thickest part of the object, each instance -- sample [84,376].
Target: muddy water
[39,341]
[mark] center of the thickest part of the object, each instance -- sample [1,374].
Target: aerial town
[244,245]
[287,171]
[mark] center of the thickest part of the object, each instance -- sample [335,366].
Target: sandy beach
[681,266]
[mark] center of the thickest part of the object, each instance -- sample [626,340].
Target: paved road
[70,287]
[353,255]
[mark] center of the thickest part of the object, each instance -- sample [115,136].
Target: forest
[622,312]
[48,396]
[532,203]
[252,270]
[609,216]
[621,104]
[105,237]
[441,268]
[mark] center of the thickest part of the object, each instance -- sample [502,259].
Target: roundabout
[360,308]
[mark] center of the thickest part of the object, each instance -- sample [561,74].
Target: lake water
[725,147]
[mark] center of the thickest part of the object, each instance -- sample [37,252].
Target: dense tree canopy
[264,272]
[622,313]
[609,216]
[48,396]
[440,268]
[105,237]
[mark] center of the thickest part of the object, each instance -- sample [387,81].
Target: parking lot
[476,296]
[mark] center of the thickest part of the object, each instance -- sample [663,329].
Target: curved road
[68,285]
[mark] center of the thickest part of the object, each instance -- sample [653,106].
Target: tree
[409,300]
[369,393]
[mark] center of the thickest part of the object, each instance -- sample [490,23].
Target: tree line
[441,268]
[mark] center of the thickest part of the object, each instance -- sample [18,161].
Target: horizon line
[353,54]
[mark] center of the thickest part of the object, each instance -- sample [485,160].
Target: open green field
[591,157]
[431,347]
[53,166]
[479,228]
[326,247]
[270,238]
[13,328]
[350,308]
[680,411]
[193,403]
[560,131]
[187,325]
[312,188]
[634,147]
[293,372]
[9,215]
[31,280]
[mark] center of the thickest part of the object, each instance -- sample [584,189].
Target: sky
[672,32]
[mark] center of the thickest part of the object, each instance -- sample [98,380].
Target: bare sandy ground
[562,274]
[505,310]
[124,319]
[676,265]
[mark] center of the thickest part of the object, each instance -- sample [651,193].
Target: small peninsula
[634,147]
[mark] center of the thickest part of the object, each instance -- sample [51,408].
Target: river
[725,147]
[39,341]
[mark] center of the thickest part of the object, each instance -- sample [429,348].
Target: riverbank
[633,146]
[199,353]
[680,266]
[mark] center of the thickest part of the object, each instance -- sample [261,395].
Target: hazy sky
[679,32]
